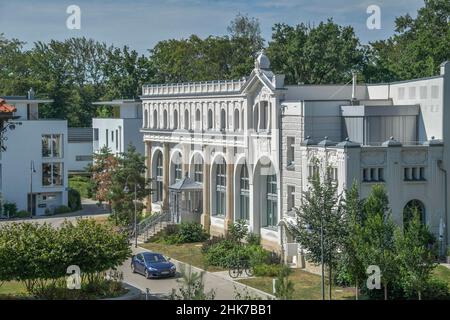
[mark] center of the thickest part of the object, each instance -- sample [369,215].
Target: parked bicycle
[238,268]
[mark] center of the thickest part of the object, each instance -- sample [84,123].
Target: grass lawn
[12,289]
[307,286]
[188,252]
[80,183]
[442,273]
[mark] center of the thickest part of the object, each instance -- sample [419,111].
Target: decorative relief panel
[373,158]
[414,157]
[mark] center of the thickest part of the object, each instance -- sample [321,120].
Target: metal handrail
[151,222]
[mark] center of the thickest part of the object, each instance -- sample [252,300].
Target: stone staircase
[152,226]
[153,232]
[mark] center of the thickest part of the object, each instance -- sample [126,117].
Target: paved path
[90,209]
[223,286]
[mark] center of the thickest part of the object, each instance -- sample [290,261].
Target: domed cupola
[262,62]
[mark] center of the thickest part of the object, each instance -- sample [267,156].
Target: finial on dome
[262,62]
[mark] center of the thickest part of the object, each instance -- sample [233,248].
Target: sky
[141,24]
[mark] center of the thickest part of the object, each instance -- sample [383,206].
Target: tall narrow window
[198,120]
[221,182]
[236,120]
[186,119]
[210,119]
[165,119]
[155,119]
[146,118]
[244,194]
[271,198]
[290,150]
[52,146]
[223,119]
[107,138]
[159,177]
[175,119]
[290,198]
[52,174]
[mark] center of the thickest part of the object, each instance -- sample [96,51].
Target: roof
[79,135]
[24,99]
[117,102]
[346,144]
[186,184]
[5,108]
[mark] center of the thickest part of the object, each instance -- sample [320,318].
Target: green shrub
[62,209]
[253,238]
[186,232]
[436,290]
[74,199]
[22,214]
[9,209]
[82,184]
[267,270]
[238,231]
[226,252]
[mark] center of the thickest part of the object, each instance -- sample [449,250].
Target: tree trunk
[330,282]
[357,290]
[420,295]
[385,292]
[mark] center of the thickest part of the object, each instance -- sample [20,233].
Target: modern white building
[33,170]
[244,149]
[122,129]
[79,153]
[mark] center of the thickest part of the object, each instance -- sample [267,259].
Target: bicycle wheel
[234,273]
[249,271]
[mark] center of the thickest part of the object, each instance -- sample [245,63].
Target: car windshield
[153,258]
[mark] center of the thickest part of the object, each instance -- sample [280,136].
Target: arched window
[146,118]
[263,115]
[210,119]
[221,183]
[256,117]
[197,120]
[175,119]
[186,119]
[165,119]
[155,119]
[271,197]
[223,119]
[159,177]
[411,208]
[236,120]
[244,194]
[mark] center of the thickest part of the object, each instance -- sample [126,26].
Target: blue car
[152,265]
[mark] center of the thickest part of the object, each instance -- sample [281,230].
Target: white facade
[118,132]
[212,130]
[39,144]
[79,153]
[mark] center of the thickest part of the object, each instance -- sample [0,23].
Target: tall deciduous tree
[128,176]
[103,167]
[377,242]
[321,209]
[327,53]
[417,48]
[416,255]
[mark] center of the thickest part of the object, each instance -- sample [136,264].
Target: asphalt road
[223,287]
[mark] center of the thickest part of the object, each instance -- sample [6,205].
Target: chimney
[30,94]
[354,79]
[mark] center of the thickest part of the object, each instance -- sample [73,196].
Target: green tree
[103,167]
[417,48]
[284,288]
[377,241]
[354,219]
[327,53]
[126,177]
[415,255]
[321,209]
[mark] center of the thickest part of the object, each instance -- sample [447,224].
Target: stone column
[230,205]
[148,173]
[185,160]
[166,161]
[206,214]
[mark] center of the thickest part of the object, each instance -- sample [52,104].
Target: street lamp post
[32,170]
[135,209]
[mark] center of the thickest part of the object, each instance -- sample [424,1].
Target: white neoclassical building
[222,151]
